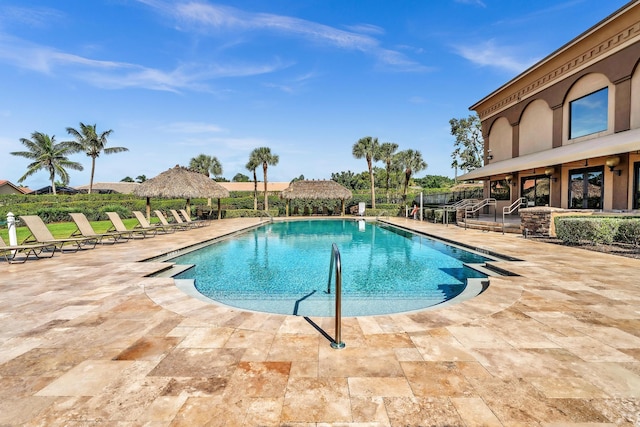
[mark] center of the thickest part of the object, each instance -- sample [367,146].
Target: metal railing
[381,214]
[475,208]
[460,204]
[262,213]
[508,210]
[335,261]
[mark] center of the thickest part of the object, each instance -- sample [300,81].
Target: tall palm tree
[366,148]
[385,153]
[93,144]
[48,155]
[252,165]
[206,165]
[264,156]
[411,162]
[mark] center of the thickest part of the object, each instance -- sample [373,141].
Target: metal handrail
[380,214]
[460,204]
[507,210]
[335,260]
[475,208]
[265,213]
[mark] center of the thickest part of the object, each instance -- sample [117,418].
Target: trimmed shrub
[246,213]
[589,230]
[629,232]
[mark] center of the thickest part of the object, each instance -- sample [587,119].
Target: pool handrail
[265,213]
[381,214]
[335,261]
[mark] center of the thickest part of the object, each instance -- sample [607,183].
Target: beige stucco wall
[633,158]
[586,85]
[500,140]
[536,128]
[635,99]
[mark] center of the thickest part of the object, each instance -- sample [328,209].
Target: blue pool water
[283,267]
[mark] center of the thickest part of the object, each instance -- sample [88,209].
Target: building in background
[566,132]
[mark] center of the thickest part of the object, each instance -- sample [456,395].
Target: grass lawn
[64,229]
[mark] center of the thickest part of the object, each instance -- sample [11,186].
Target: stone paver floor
[89,339]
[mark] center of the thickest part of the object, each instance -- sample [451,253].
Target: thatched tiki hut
[313,190]
[180,183]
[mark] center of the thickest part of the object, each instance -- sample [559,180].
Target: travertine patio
[88,339]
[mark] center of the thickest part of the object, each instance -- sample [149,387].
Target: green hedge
[247,213]
[598,230]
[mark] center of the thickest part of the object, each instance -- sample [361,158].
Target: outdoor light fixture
[489,155]
[612,162]
[509,178]
[549,172]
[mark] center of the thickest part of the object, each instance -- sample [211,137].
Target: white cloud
[489,54]
[473,2]
[192,127]
[205,18]
[36,17]
[118,75]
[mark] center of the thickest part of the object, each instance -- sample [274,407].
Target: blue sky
[174,79]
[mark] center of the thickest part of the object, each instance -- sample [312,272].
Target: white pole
[421,206]
[11,226]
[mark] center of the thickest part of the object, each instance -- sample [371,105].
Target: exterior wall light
[549,172]
[611,163]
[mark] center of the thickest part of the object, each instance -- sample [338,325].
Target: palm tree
[263,156]
[411,162]
[366,148]
[385,153]
[48,155]
[206,165]
[252,165]
[93,144]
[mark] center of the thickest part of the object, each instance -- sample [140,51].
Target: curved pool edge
[474,287]
[501,294]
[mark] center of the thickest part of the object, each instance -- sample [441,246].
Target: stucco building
[566,132]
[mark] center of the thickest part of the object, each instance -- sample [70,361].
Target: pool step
[172,270]
[490,226]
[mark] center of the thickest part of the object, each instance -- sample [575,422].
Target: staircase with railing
[472,216]
[475,209]
[508,210]
[460,204]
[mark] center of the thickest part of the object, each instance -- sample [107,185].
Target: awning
[617,143]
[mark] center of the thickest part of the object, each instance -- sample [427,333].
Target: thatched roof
[179,182]
[272,187]
[316,190]
[117,187]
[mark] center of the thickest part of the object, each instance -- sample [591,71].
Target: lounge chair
[165,223]
[118,225]
[187,218]
[144,224]
[179,220]
[84,229]
[11,252]
[41,234]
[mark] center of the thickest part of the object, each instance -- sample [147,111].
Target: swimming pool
[283,267]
